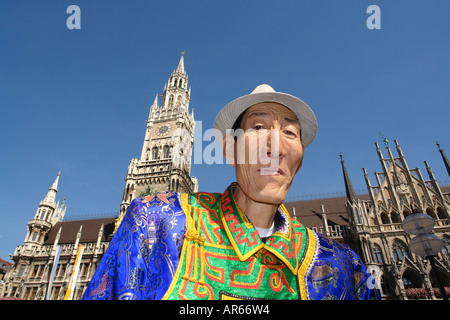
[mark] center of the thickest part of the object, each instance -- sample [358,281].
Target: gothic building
[371,224]
[48,234]
[165,164]
[165,161]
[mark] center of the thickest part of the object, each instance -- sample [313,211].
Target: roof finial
[50,197]
[386,141]
[444,158]
[349,191]
[180,68]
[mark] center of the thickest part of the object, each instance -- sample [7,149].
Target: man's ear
[229,150]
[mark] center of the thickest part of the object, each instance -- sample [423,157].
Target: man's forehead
[268,109]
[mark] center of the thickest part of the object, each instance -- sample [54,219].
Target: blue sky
[78,100]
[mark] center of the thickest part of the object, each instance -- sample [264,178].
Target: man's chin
[274,197]
[269,191]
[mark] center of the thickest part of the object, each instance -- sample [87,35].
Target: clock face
[163,129]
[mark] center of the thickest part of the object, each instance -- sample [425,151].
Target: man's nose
[275,146]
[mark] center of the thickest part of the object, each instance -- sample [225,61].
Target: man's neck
[260,214]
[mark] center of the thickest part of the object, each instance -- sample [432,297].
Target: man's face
[272,132]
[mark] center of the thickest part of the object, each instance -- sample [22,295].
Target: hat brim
[308,122]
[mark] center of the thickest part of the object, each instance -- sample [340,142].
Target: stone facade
[371,225]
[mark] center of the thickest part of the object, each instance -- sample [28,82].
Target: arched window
[441,213]
[171,101]
[399,251]
[411,279]
[377,255]
[406,213]
[127,192]
[154,153]
[395,217]
[430,212]
[35,236]
[166,152]
[384,218]
[387,285]
[48,214]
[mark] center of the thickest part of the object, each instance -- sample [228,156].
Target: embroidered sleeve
[122,272]
[338,273]
[143,255]
[366,287]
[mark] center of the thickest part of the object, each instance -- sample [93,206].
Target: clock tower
[165,162]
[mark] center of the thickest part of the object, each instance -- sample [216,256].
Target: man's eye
[289,133]
[258,127]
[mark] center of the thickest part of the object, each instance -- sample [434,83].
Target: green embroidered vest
[223,256]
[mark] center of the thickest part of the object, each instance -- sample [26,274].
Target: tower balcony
[39,224]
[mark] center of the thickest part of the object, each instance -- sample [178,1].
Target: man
[241,244]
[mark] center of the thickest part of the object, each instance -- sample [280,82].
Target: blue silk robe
[145,258]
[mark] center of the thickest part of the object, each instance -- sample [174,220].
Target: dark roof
[89,232]
[5,265]
[309,212]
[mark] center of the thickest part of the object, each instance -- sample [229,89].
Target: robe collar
[288,243]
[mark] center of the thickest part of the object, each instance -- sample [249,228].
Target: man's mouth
[268,171]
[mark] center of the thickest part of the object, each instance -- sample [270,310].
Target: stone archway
[414,285]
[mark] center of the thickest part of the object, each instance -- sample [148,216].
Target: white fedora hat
[265,93]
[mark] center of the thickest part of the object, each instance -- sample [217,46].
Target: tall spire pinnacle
[153,108]
[444,157]
[176,92]
[55,183]
[51,195]
[180,68]
[350,192]
[155,102]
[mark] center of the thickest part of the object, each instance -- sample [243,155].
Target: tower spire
[176,93]
[155,102]
[180,68]
[51,195]
[160,151]
[444,158]
[348,184]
